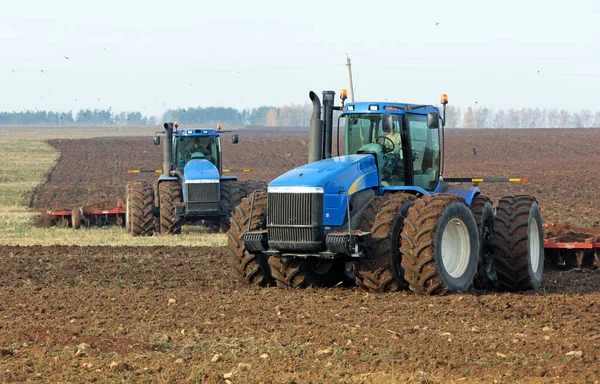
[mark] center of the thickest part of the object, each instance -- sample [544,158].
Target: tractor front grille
[294,219]
[203,192]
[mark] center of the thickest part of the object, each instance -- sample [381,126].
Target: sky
[152,55]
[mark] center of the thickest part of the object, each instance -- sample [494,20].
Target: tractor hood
[345,173]
[339,177]
[200,169]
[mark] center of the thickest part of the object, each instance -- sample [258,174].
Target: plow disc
[101,213]
[573,246]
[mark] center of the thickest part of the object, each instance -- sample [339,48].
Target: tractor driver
[396,139]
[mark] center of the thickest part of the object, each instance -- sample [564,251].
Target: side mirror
[387,123]
[156,140]
[234,138]
[433,120]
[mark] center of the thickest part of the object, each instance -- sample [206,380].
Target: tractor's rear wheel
[384,217]
[440,247]
[483,212]
[248,268]
[519,243]
[169,198]
[294,272]
[231,196]
[76,218]
[142,204]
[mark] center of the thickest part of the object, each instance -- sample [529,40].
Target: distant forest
[298,115]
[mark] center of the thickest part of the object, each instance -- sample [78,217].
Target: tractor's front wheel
[519,243]
[384,217]
[248,268]
[231,196]
[440,247]
[141,221]
[169,198]
[294,272]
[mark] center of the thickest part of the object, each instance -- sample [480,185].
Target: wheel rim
[456,248]
[534,245]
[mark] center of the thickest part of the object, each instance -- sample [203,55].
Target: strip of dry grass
[25,165]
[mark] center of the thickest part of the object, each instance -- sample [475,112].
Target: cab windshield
[421,170]
[196,147]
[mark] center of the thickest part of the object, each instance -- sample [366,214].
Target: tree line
[82,117]
[298,115]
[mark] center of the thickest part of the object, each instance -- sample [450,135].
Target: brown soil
[105,314]
[162,314]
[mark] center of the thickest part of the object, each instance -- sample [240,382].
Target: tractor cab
[196,144]
[406,147]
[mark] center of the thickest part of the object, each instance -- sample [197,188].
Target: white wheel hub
[456,248]
[533,244]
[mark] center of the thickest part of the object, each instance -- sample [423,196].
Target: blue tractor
[383,213]
[191,188]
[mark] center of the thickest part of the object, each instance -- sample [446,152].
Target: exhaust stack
[315,138]
[328,101]
[168,149]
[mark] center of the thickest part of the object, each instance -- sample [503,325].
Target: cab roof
[193,131]
[380,107]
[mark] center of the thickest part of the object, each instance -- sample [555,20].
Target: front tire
[519,243]
[231,196]
[169,197]
[294,272]
[248,268]
[382,270]
[142,204]
[440,246]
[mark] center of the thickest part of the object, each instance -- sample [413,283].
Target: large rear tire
[248,268]
[231,196]
[169,197]
[381,271]
[519,243]
[483,212]
[142,204]
[440,246]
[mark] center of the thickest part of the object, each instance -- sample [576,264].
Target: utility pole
[349,65]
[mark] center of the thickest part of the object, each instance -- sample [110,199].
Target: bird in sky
[476,102]
[438,23]
[13,70]
[67,57]
[41,70]
[104,49]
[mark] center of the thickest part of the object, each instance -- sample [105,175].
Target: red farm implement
[97,214]
[573,246]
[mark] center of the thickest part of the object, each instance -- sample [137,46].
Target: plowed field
[108,314]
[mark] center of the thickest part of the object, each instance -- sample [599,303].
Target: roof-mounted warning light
[444,99]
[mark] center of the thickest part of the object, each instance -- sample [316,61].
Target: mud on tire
[142,203]
[384,217]
[483,212]
[169,197]
[248,268]
[519,243]
[440,245]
